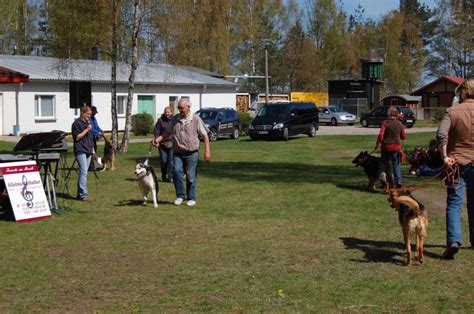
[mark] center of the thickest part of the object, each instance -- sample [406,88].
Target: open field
[279,227]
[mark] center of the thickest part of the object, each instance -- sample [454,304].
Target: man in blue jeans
[456,144]
[186,129]
[81,131]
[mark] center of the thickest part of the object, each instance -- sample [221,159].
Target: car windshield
[335,109]
[405,110]
[272,111]
[208,115]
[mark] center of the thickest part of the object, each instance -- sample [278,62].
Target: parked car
[221,122]
[334,115]
[377,115]
[283,119]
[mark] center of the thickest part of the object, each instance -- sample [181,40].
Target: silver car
[334,115]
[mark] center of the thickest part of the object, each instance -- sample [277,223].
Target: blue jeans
[166,162]
[391,163]
[187,162]
[84,161]
[455,203]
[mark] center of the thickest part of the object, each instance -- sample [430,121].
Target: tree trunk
[115,15]
[131,78]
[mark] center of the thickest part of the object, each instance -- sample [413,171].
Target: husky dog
[147,181]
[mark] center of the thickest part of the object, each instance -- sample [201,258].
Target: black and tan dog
[109,155]
[373,168]
[413,218]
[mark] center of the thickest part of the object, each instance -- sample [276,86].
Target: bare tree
[137,15]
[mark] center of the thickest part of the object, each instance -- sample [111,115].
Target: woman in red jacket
[390,139]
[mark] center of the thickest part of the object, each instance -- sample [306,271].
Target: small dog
[109,155]
[373,168]
[413,218]
[147,182]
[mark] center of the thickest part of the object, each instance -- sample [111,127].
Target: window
[44,107]
[121,105]
[173,103]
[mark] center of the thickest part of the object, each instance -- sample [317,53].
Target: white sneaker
[178,201]
[191,203]
[99,161]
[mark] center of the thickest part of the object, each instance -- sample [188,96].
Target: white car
[332,115]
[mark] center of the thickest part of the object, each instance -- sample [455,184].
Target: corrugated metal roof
[54,69]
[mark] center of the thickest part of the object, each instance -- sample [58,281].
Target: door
[324,115]
[146,104]
[294,120]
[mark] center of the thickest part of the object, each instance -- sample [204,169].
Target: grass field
[279,227]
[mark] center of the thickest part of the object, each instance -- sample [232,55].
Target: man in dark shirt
[83,149]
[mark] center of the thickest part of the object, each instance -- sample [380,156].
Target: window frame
[38,108]
[124,103]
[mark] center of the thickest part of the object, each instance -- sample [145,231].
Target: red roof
[10,76]
[453,79]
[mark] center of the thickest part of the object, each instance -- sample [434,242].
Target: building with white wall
[42,103]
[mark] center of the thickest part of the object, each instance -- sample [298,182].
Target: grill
[263,127]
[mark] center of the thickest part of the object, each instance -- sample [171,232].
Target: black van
[282,119]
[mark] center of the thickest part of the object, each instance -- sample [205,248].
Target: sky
[375,8]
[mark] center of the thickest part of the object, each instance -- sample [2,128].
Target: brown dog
[413,218]
[109,155]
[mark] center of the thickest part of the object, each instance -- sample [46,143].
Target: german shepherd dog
[147,181]
[109,155]
[373,168]
[413,218]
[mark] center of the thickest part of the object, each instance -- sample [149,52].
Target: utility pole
[266,75]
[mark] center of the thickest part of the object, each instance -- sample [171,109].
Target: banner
[25,190]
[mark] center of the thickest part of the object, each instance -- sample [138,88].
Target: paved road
[323,130]
[358,130]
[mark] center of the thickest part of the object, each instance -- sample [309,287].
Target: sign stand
[25,190]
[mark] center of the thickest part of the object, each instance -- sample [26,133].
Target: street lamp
[265,42]
[266,75]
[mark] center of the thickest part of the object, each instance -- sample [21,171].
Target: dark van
[280,120]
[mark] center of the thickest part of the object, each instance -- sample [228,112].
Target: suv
[220,122]
[283,119]
[377,115]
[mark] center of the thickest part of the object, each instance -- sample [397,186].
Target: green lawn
[279,227]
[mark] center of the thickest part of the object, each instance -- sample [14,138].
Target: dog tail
[408,201]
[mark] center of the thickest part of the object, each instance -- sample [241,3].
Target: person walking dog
[456,143]
[186,128]
[390,139]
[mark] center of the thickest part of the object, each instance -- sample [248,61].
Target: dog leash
[453,174]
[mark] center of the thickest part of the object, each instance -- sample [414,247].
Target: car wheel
[285,134]
[312,131]
[333,121]
[364,123]
[213,135]
[410,126]
[235,133]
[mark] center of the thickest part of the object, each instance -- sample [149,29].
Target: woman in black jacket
[165,148]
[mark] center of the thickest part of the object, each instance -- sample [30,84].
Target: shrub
[142,123]
[245,120]
[438,116]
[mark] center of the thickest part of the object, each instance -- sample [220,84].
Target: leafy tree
[452,49]
[17,28]
[70,29]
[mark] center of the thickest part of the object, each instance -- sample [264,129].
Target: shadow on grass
[138,202]
[344,176]
[383,251]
